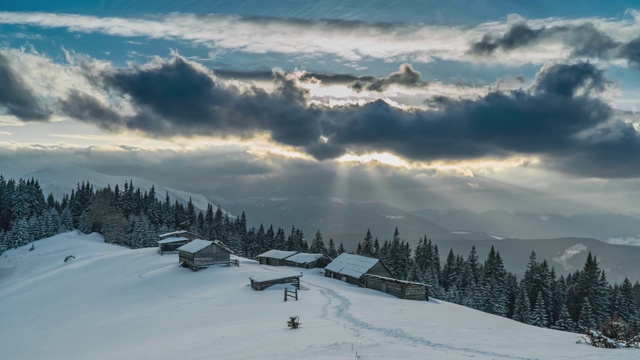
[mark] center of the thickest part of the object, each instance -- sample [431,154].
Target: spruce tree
[587,318]
[539,314]
[564,323]
[367,245]
[331,249]
[522,312]
[317,245]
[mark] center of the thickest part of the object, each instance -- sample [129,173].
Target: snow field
[117,303]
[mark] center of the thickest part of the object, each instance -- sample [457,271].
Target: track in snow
[342,315]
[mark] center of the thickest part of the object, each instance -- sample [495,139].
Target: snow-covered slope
[116,303]
[61,180]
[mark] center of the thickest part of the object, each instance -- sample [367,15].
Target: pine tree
[539,314]
[587,318]
[317,245]
[522,312]
[66,220]
[340,249]
[367,245]
[628,305]
[448,275]
[564,323]
[280,240]
[331,250]
[376,249]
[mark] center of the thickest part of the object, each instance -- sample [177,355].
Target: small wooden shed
[199,254]
[353,268]
[400,288]
[275,257]
[171,244]
[308,261]
[179,233]
[263,281]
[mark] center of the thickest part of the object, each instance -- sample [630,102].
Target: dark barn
[399,288]
[199,254]
[171,244]
[353,268]
[308,261]
[179,233]
[275,257]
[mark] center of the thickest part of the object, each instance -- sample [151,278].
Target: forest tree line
[134,218]
[581,300]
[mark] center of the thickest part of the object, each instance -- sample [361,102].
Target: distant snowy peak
[626,240]
[563,259]
[61,180]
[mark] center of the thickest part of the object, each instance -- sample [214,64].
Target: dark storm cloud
[85,106]
[558,116]
[631,52]
[406,76]
[517,36]
[179,98]
[565,80]
[15,97]
[584,40]
[306,76]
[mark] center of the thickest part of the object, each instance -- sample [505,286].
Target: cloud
[90,109]
[584,40]
[406,76]
[15,97]
[560,118]
[351,41]
[348,40]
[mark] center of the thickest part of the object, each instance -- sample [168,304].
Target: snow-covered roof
[304,258]
[275,275]
[396,280]
[278,254]
[173,233]
[172,239]
[351,265]
[195,246]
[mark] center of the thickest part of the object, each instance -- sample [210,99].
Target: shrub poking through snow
[613,334]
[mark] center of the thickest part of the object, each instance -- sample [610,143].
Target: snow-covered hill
[61,180]
[116,303]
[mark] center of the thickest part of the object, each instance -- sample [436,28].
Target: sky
[521,106]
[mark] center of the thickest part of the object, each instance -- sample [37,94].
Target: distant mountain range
[563,240]
[605,227]
[343,220]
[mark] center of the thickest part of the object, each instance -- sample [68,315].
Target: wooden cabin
[275,257]
[199,254]
[171,244]
[353,268]
[308,261]
[399,288]
[180,233]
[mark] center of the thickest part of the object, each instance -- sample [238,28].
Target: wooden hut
[179,233]
[400,288]
[353,268]
[171,244]
[263,281]
[199,254]
[308,261]
[275,257]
